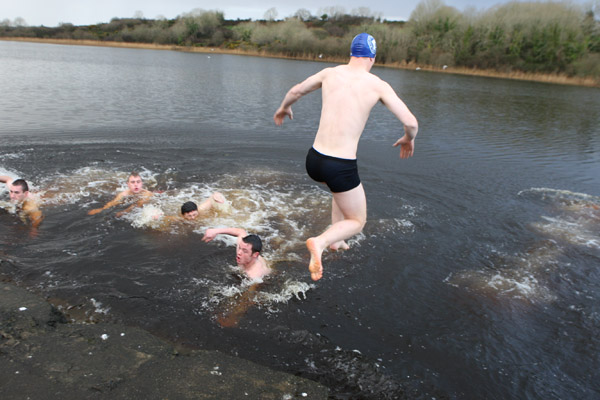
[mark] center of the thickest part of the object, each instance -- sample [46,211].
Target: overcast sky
[86,12]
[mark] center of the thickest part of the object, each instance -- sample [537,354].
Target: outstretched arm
[310,84]
[145,198]
[117,200]
[391,100]
[211,233]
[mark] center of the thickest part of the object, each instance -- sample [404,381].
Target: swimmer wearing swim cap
[363,45]
[349,92]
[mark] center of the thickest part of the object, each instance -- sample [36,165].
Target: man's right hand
[209,235]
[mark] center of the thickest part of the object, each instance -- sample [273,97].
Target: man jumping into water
[23,199]
[349,92]
[135,189]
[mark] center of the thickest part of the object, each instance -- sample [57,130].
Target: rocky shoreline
[44,357]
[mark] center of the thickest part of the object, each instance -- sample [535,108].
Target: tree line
[550,37]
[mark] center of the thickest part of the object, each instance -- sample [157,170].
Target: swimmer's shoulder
[122,194]
[266,265]
[341,71]
[31,203]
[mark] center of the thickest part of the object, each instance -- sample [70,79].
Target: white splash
[576,223]
[148,216]
[98,307]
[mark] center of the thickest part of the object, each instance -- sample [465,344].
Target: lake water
[475,277]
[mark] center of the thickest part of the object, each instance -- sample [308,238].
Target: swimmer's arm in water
[391,100]
[117,200]
[33,213]
[214,199]
[310,84]
[211,233]
[145,198]
[232,314]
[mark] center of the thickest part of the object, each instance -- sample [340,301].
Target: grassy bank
[517,75]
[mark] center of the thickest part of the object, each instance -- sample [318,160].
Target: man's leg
[336,216]
[353,207]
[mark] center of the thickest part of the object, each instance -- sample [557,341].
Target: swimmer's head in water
[255,241]
[134,182]
[189,210]
[363,45]
[248,250]
[18,190]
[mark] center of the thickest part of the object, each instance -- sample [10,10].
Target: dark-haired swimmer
[135,189]
[248,250]
[349,92]
[22,198]
[248,257]
[191,211]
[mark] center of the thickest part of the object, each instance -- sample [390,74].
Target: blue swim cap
[363,45]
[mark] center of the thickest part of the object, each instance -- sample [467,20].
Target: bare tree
[271,14]
[425,9]
[335,12]
[302,14]
[362,12]
[19,22]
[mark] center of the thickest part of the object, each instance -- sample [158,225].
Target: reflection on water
[475,277]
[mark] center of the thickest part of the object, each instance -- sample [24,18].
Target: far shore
[516,75]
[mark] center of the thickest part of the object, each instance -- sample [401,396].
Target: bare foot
[315,267]
[341,245]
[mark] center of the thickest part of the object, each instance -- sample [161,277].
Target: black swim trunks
[340,174]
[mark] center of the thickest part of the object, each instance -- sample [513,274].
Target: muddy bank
[43,357]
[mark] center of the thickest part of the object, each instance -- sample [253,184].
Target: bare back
[349,94]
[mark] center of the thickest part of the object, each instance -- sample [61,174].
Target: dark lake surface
[477,274]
